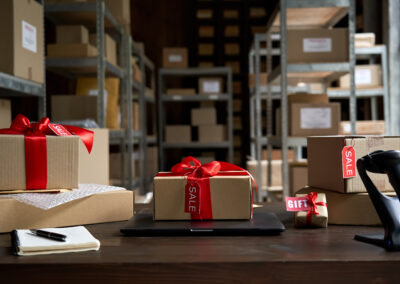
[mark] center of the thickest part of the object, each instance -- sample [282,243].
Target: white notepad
[78,239]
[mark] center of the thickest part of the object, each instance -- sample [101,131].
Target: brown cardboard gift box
[317,220]
[102,207]
[210,85]
[230,198]
[365,76]
[325,161]
[21,45]
[62,162]
[349,208]
[203,116]
[363,127]
[175,57]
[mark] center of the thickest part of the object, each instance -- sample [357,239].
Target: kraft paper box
[5,113]
[320,220]
[318,45]
[365,76]
[110,47]
[298,172]
[72,34]
[230,198]
[71,50]
[181,91]
[62,162]
[276,172]
[212,133]
[21,46]
[203,116]
[210,85]
[178,133]
[99,208]
[276,154]
[363,127]
[325,161]
[364,40]
[350,208]
[175,57]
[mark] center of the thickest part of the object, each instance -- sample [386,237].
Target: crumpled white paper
[47,201]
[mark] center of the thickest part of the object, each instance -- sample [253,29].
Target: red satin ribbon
[200,174]
[311,198]
[36,146]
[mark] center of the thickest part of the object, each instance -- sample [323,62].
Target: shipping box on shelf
[212,133]
[365,76]
[175,57]
[136,72]
[349,209]
[206,31]
[205,48]
[363,127]
[62,162]
[110,47]
[252,80]
[276,172]
[21,46]
[364,40]
[181,91]
[203,116]
[231,31]
[99,208]
[318,45]
[210,85]
[232,48]
[94,167]
[115,169]
[72,34]
[230,198]
[71,50]
[298,172]
[325,168]
[178,134]
[71,107]
[5,113]
[136,116]
[276,154]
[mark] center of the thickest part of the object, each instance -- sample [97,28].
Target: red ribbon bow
[36,146]
[311,198]
[198,175]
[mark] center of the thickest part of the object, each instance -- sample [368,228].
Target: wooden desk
[297,256]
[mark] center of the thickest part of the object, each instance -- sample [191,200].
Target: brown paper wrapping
[320,220]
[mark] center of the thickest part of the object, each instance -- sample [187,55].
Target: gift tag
[348,162]
[59,130]
[192,198]
[297,204]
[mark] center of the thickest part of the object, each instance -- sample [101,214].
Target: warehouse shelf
[340,93]
[194,98]
[21,86]
[224,144]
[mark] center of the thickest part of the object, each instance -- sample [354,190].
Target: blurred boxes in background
[136,116]
[231,31]
[365,76]
[203,116]
[232,48]
[276,172]
[210,85]
[5,113]
[212,133]
[110,47]
[364,40]
[206,31]
[276,154]
[72,34]
[71,50]
[298,172]
[205,48]
[181,91]
[21,45]
[178,134]
[363,127]
[116,169]
[252,80]
[71,107]
[175,57]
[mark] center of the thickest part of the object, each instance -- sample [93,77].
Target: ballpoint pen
[49,235]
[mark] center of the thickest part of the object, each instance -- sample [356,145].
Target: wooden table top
[299,255]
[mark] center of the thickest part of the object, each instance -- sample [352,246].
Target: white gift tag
[29,41]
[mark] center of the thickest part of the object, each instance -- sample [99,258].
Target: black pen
[49,235]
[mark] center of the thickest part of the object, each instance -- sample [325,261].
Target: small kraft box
[318,45]
[204,116]
[178,134]
[184,194]
[332,161]
[212,133]
[210,85]
[363,127]
[310,209]
[110,47]
[365,76]
[364,40]
[175,57]
[72,34]
[21,46]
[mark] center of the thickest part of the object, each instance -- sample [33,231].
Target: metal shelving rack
[339,8]
[164,98]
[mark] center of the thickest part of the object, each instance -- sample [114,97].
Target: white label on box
[315,118]
[346,127]
[175,58]
[363,76]
[211,87]
[29,41]
[317,44]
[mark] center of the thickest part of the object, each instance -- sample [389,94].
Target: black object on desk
[388,208]
[261,224]
[49,235]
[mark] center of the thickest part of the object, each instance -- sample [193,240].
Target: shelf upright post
[230,114]
[386,103]
[269,111]
[42,98]
[100,63]
[143,126]
[251,107]
[352,59]
[160,121]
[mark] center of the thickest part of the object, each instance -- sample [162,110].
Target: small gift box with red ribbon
[310,209]
[212,191]
[40,155]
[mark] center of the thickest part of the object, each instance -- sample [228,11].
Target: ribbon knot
[311,200]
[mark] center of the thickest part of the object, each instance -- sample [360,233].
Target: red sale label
[59,130]
[192,198]
[297,204]
[348,162]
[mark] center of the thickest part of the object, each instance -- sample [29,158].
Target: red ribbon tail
[87,136]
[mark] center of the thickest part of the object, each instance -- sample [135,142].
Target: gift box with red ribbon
[311,210]
[40,155]
[212,191]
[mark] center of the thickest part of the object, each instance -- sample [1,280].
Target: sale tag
[192,198]
[59,130]
[297,204]
[348,162]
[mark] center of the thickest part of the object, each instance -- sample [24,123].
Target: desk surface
[296,255]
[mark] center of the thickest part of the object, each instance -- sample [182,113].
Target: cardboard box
[205,48]
[276,172]
[116,167]
[234,65]
[87,86]
[99,208]
[211,85]
[5,113]
[230,198]
[204,116]
[308,98]
[71,50]
[325,161]
[136,72]
[363,127]
[365,76]
[70,107]
[232,48]
[231,31]
[21,46]
[136,116]
[62,162]
[364,40]
[175,57]
[349,209]
[252,80]
[231,14]
[206,31]
[204,13]
[317,45]
[317,220]
[178,134]
[110,47]
[276,154]
[212,133]
[72,34]
[237,87]
[181,91]
[298,172]
[93,167]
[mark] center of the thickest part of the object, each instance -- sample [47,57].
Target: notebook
[78,239]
